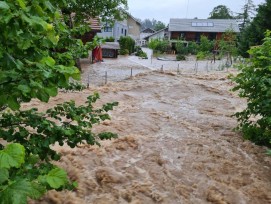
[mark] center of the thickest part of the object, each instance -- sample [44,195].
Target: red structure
[97,55]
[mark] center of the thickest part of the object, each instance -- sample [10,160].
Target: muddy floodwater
[176,141]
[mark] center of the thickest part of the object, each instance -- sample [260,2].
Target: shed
[110,49]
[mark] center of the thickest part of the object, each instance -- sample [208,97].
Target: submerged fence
[102,74]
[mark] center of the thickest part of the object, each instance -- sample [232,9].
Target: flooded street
[176,141]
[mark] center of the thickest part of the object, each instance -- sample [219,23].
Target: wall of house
[159,35]
[119,29]
[133,28]
[195,36]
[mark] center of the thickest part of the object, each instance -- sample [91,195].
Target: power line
[187,8]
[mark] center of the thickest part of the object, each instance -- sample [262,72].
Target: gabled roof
[95,24]
[203,25]
[136,20]
[159,31]
[148,30]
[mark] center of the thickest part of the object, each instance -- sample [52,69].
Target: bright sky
[163,10]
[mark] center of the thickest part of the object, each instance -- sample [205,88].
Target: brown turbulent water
[176,145]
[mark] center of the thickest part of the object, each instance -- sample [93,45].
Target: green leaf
[48,61]
[52,91]
[21,3]
[24,89]
[13,103]
[4,175]
[52,37]
[57,178]
[4,5]
[18,191]
[24,44]
[49,5]
[43,96]
[12,156]
[37,190]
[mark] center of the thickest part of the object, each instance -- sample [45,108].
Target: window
[122,31]
[107,29]
[125,32]
[202,24]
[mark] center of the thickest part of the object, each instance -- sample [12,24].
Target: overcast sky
[163,10]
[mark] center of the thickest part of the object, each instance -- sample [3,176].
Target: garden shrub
[254,84]
[182,48]
[124,52]
[205,45]
[159,46]
[193,48]
[202,55]
[141,53]
[127,43]
[110,39]
[180,57]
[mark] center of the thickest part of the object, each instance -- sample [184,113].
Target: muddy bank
[176,145]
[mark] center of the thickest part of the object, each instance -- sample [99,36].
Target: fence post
[131,72]
[196,67]
[106,77]
[178,69]
[88,81]
[162,68]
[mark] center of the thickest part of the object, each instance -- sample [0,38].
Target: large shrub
[193,48]
[160,46]
[206,45]
[182,48]
[127,43]
[254,84]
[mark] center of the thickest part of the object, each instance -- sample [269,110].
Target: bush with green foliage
[193,48]
[228,45]
[254,84]
[180,57]
[159,46]
[182,48]
[124,52]
[110,39]
[202,55]
[127,43]
[141,53]
[205,45]
[37,57]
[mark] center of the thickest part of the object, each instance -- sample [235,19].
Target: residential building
[143,34]
[160,34]
[128,27]
[192,29]
[134,27]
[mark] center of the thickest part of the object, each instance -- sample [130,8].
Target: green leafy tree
[159,26]
[254,84]
[221,12]
[248,11]
[253,34]
[153,24]
[228,45]
[39,46]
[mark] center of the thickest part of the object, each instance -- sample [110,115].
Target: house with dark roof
[192,29]
[127,27]
[94,24]
[160,34]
